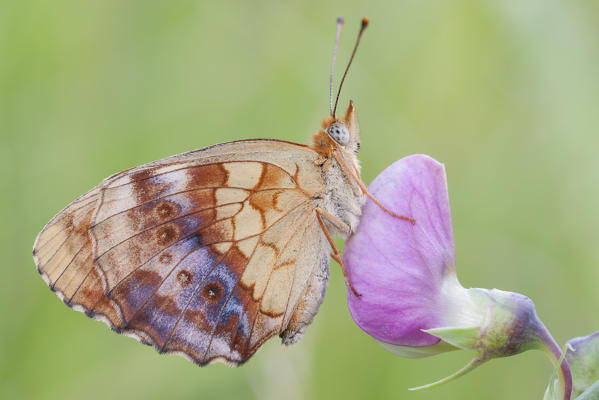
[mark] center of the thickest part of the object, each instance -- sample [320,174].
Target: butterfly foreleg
[336,254]
[358,181]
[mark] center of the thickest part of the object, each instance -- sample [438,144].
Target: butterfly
[210,253]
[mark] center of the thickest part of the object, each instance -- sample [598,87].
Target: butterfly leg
[364,190]
[336,254]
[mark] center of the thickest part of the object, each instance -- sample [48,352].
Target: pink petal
[397,267]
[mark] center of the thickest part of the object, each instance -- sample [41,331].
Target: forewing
[63,255]
[205,253]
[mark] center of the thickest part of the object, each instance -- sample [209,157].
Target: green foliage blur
[505,93]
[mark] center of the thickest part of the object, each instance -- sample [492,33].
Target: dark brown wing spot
[165,258]
[197,318]
[144,188]
[166,235]
[213,291]
[166,209]
[239,342]
[142,175]
[167,305]
[184,277]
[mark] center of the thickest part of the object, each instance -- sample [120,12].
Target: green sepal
[463,338]
[418,352]
[467,368]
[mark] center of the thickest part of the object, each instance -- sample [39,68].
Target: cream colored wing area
[63,243]
[298,318]
[288,258]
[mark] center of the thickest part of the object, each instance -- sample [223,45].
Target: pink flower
[403,262]
[410,298]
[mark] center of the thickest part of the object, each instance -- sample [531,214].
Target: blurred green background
[505,93]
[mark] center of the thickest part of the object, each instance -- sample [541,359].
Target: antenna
[364,25]
[339,26]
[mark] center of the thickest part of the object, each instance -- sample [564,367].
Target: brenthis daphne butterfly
[210,253]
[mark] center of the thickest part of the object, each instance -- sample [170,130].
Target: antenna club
[340,20]
[365,22]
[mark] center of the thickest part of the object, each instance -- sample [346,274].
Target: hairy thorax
[342,197]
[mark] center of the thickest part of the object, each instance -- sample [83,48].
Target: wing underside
[207,254]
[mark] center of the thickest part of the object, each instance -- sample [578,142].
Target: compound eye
[339,133]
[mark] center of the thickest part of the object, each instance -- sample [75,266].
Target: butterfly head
[339,132]
[345,131]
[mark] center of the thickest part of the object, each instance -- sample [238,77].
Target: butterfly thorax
[343,198]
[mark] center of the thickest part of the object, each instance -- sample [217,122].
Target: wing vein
[268,281]
[199,166]
[212,334]
[53,222]
[81,283]
[193,294]
[169,221]
[160,284]
[67,267]
[292,285]
[250,192]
